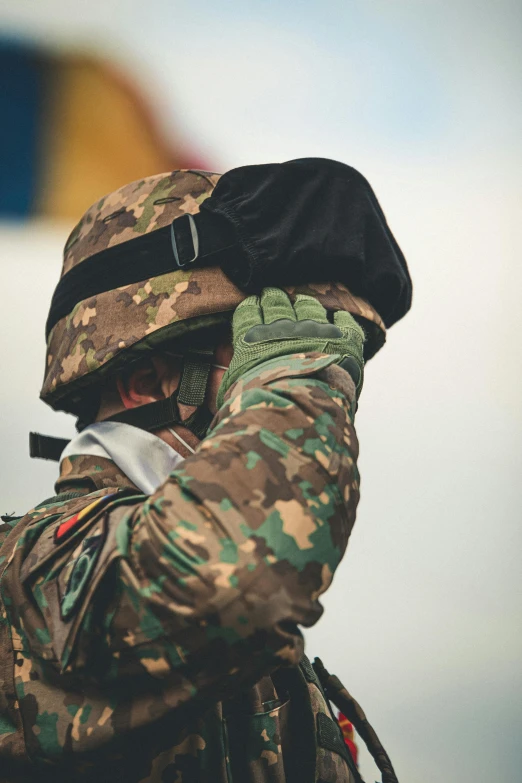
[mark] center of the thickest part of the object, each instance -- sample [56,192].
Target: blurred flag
[347,730]
[73,129]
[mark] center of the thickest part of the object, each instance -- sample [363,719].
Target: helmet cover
[104,332]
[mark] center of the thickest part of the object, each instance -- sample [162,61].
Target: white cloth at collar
[144,458]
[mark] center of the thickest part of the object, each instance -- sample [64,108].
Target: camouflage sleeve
[211,576]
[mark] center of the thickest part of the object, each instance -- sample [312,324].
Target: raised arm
[203,585]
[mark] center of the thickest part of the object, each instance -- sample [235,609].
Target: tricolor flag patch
[70,525]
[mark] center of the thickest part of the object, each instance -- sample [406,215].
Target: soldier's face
[159,377]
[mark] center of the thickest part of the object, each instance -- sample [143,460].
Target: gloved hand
[270,326]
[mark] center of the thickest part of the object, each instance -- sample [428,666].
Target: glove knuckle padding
[286,329]
[270,326]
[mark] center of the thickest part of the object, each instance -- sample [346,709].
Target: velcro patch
[70,525]
[329,736]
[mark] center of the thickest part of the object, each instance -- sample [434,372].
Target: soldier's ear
[141,386]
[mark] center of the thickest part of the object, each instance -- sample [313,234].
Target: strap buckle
[194,236]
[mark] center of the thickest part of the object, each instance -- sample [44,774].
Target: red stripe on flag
[64,528]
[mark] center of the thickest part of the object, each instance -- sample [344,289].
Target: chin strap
[191,391]
[163,413]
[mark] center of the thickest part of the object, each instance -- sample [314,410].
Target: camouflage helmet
[107,330]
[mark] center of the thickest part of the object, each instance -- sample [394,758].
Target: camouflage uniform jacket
[155,639]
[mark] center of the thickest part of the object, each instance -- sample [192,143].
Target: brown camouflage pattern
[178,662]
[93,337]
[80,471]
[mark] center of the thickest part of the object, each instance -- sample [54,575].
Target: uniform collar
[86,473]
[141,456]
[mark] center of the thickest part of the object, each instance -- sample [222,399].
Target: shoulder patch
[79,570]
[69,525]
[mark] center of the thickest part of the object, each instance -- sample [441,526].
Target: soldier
[151,608]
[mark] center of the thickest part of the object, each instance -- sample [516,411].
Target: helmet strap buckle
[179,224]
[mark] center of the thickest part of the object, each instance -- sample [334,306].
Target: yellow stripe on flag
[100,135]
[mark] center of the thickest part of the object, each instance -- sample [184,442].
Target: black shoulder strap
[46,447]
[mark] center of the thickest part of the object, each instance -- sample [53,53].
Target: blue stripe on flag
[21,85]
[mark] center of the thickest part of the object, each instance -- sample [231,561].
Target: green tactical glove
[271,326]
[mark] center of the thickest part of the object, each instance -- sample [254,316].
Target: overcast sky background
[423,621]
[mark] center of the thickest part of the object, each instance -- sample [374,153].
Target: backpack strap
[342,698]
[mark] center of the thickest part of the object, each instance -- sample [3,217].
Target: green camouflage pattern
[105,330]
[178,659]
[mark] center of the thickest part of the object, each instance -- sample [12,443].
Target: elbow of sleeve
[266,618]
[274,605]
